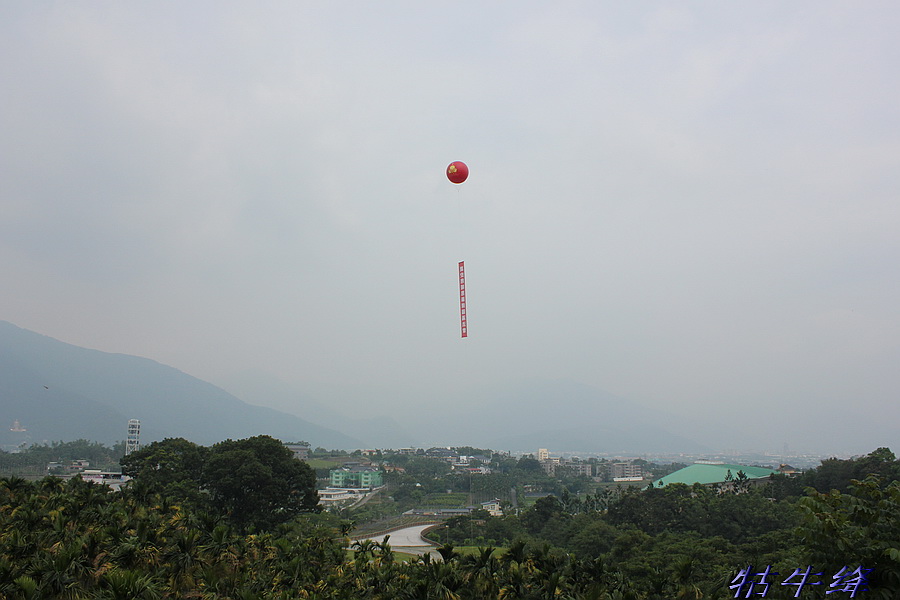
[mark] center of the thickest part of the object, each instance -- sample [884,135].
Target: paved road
[408,539]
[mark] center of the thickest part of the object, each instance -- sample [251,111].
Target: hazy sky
[692,205]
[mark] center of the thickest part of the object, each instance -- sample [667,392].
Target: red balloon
[457,172]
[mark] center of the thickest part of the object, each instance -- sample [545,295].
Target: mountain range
[58,391]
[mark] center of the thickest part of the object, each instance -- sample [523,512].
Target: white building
[621,470]
[493,507]
[301,451]
[331,496]
[580,468]
[114,480]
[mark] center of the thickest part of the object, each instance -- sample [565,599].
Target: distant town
[348,480]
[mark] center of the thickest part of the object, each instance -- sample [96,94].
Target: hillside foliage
[73,539]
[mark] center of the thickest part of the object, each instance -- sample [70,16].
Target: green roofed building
[710,473]
[355,476]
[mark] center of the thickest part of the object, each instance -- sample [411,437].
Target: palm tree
[447,552]
[514,584]
[385,555]
[515,553]
[589,577]
[480,573]
[51,484]
[443,580]
[26,588]
[183,558]
[126,584]
[13,487]
[684,575]
[362,550]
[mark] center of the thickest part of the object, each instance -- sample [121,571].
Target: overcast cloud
[692,205]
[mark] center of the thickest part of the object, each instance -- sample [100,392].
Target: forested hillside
[34,460]
[62,392]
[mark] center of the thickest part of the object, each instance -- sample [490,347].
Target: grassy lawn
[475,551]
[398,556]
[404,557]
[327,463]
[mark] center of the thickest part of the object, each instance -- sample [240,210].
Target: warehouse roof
[706,473]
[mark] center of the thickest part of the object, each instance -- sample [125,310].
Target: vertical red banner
[462,298]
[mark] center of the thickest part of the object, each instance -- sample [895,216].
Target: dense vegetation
[71,539]
[33,460]
[255,483]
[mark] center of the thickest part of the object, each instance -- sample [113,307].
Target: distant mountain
[564,416]
[57,391]
[264,388]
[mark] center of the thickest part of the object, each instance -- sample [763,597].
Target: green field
[398,556]
[476,550]
[326,463]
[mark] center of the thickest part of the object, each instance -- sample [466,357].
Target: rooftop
[712,473]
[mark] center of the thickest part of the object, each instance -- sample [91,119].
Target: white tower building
[133,441]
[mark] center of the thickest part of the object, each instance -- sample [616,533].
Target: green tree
[542,512]
[837,474]
[528,464]
[171,468]
[420,466]
[258,483]
[859,528]
[592,536]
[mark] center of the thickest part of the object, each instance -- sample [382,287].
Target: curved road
[408,539]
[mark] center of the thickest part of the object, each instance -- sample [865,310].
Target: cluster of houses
[622,471]
[351,482]
[461,463]
[113,479]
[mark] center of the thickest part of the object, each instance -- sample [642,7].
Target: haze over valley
[57,391]
[679,227]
